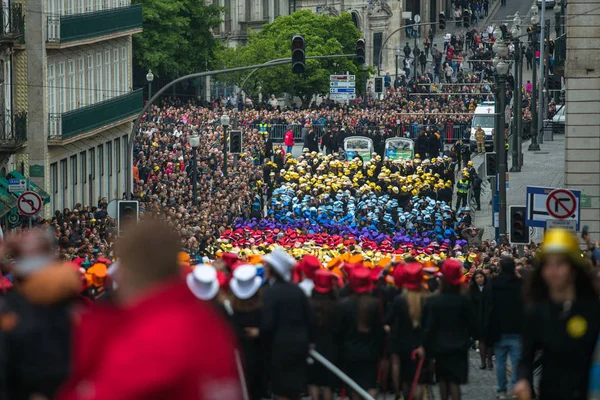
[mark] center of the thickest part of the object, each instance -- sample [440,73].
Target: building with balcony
[73,73]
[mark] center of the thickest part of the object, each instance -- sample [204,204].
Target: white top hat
[245,282]
[281,262]
[203,282]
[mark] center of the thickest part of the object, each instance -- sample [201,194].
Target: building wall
[582,80]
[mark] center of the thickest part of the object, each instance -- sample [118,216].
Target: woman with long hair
[562,320]
[477,295]
[448,325]
[360,332]
[404,321]
[324,300]
[246,304]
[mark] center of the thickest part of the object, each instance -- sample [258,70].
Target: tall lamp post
[398,52]
[194,141]
[149,78]
[225,124]
[501,51]
[518,96]
[534,146]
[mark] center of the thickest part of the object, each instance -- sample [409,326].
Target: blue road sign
[541,206]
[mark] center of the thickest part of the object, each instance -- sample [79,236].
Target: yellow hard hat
[561,242]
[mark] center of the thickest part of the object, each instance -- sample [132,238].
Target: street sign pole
[31,217]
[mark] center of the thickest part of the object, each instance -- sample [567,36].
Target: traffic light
[442,21]
[519,231]
[360,51]
[378,84]
[555,82]
[298,55]
[490,165]
[127,214]
[235,141]
[466,18]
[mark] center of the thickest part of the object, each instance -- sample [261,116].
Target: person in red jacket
[157,341]
[288,140]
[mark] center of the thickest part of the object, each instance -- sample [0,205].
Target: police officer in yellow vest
[462,191]
[480,139]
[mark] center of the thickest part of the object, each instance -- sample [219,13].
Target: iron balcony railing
[13,127]
[13,22]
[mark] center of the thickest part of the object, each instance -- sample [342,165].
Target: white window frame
[72,85]
[53,185]
[89,6]
[90,76]
[116,74]
[99,81]
[51,88]
[125,70]
[62,93]
[107,74]
[80,7]
[99,5]
[70,7]
[81,77]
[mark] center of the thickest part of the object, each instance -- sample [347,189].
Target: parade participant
[35,318]
[360,332]
[563,321]
[324,301]
[449,323]
[504,320]
[146,344]
[246,303]
[480,139]
[308,266]
[477,289]
[287,328]
[462,191]
[404,320]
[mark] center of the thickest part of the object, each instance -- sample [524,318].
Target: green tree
[177,37]
[323,35]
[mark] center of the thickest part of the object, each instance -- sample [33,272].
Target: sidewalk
[540,168]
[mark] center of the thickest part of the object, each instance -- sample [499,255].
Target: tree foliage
[323,35]
[177,37]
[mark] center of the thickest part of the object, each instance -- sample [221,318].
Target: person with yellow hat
[563,321]
[462,191]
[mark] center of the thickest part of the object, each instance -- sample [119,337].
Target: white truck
[484,115]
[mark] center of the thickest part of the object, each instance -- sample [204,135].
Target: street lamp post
[501,70]
[225,124]
[366,70]
[398,51]
[518,96]
[194,141]
[534,146]
[149,78]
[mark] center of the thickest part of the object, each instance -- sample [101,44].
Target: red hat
[323,281]
[375,273]
[452,271]
[412,277]
[399,275]
[223,280]
[309,265]
[230,259]
[360,280]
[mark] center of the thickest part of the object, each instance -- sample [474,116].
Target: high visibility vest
[262,127]
[506,146]
[463,186]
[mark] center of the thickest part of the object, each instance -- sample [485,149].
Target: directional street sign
[342,90]
[17,185]
[29,204]
[342,84]
[342,78]
[342,96]
[545,204]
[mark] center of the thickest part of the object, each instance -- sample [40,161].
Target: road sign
[570,225]
[29,204]
[342,96]
[342,78]
[539,202]
[561,204]
[342,84]
[417,18]
[17,185]
[342,90]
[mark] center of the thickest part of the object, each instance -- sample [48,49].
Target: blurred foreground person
[563,321]
[35,318]
[449,324]
[157,341]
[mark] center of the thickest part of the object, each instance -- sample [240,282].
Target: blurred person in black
[324,300]
[448,324]
[403,320]
[477,289]
[288,327]
[359,331]
[562,320]
[35,318]
[504,320]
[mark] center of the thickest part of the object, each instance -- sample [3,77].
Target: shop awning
[32,186]
[7,202]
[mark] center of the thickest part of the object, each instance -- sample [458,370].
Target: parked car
[549,3]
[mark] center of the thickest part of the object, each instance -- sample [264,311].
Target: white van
[484,116]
